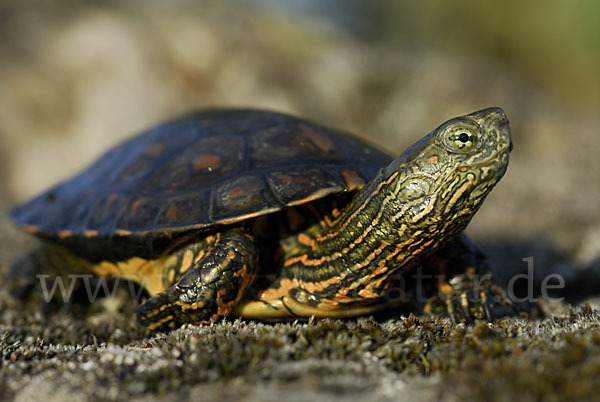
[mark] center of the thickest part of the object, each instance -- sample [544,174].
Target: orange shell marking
[63,234]
[235,193]
[206,161]
[154,150]
[172,212]
[134,206]
[352,180]
[33,229]
[322,141]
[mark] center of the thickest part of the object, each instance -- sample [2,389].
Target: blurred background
[77,77]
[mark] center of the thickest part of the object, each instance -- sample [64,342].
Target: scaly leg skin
[224,265]
[467,291]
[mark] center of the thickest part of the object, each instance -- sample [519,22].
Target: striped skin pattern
[420,202]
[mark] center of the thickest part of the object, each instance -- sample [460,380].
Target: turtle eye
[462,139]
[461,136]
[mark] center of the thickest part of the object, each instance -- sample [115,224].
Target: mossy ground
[98,351]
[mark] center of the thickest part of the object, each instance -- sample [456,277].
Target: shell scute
[289,143]
[185,210]
[299,182]
[243,195]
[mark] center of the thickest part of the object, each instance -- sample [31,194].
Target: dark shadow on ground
[534,265]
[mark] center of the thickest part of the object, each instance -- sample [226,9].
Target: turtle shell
[200,170]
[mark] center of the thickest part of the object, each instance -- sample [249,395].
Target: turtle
[263,215]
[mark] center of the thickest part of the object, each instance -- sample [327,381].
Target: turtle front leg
[206,281]
[466,289]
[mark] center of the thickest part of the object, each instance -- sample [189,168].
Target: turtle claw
[166,311]
[469,297]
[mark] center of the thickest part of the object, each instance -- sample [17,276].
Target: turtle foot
[208,290]
[471,296]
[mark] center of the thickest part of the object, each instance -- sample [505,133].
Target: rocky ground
[75,80]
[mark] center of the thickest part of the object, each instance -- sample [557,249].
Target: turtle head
[445,176]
